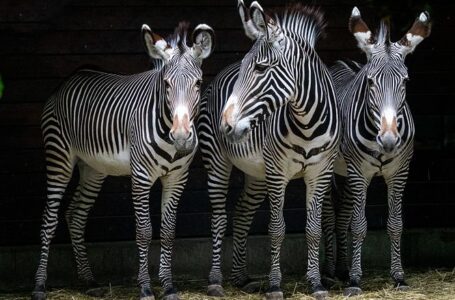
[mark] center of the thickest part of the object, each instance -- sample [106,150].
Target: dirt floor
[433,284]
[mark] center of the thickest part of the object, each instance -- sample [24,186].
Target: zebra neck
[365,119]
[159,113]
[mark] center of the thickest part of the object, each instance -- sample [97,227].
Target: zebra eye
[198,84]
[370,81]
[167,85]
[405,79]
[260,67]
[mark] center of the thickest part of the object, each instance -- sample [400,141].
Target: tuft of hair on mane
[178,38]
[383,35]
[312,19]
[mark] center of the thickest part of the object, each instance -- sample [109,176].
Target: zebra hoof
[215,290]
[320,295]
[319,292]
[171,297]
[249,286]
[278,295]
[146,294]
[402,286]
[352,291]
[38,295]
[96,292]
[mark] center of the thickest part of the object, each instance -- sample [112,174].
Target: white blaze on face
[230,111]
[181,122]
[389,121]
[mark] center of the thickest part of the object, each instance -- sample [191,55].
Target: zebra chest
[114,164]
[253,164]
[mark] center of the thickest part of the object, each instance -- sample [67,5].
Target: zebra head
[180,77]
[386,74]
[269,72]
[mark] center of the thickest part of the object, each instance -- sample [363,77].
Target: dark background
[43,42]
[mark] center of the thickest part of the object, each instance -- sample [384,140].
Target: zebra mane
[383,35]
[344,71]
[178,38]
[175,40]
[301,22]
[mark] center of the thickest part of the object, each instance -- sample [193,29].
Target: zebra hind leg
[89,186]
[59,166]
[328,228]
[253,195]
[343,220]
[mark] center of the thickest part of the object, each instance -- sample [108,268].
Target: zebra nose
[388,142]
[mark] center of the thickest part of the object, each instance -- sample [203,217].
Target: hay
[433,284]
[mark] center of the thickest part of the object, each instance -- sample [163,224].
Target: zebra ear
[259,19]
[203,41]
[419,31]
[248,26]
[156,46]
[361,32]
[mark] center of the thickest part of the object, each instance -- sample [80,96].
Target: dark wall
[42,42]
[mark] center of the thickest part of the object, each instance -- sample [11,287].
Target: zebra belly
[115,164]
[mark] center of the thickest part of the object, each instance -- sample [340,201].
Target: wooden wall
[42,42]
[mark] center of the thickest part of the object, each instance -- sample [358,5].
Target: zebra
[139,125]
[377,140]
[273,116]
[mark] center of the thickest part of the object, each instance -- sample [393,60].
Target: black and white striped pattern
[139,125]
[377,140]
[274,117]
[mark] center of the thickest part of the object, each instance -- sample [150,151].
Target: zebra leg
[343,220]
[172,190]
[141,185]
[318,187]
[59,168]
[276,186]
[87,191]
[328,228]
[395,187]
[252,196]
[356,186]
[218,183]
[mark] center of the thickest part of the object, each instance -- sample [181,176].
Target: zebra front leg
[218,183]
[356,188]
[395,189]
[252,196]
[58,173]
[89,186]
[276,186]
[173,187]
[141,185]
